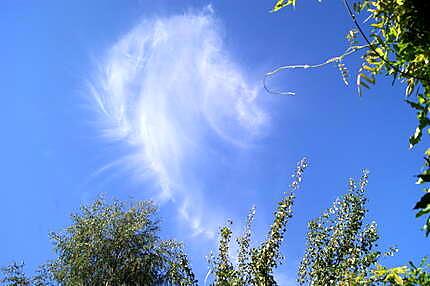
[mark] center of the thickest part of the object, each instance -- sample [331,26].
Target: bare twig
[348,51]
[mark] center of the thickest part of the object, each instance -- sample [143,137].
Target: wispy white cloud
[169,90]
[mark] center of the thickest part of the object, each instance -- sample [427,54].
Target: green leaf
[427,226]
[281,4]
[415,105]
[423,178]
[414,139]
[398,279]
[368,79]
[368,68]
[362,83]
[423,211]
[423,202]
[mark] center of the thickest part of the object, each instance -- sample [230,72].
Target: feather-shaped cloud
[169,90]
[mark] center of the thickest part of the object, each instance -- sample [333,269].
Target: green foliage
[117,245]
[282,3]
[340,249]
[113,245]
[417,275]
[390,275]
[13,275]
[340,246]
[398,45]
[255,265]
[398,276]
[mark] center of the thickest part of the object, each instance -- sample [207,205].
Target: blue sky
[164,101]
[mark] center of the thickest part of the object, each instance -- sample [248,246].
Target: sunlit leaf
[282,3]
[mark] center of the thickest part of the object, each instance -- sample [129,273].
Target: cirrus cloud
[169,90]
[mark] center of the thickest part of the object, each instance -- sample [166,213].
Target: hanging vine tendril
[337,60]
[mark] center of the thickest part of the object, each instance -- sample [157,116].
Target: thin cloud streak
[169,91]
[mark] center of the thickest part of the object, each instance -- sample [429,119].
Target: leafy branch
[375,50]
[399,46]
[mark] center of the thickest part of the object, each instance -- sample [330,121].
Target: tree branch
[371,46]
[348,52]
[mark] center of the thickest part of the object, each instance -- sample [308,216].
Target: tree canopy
[255,265]
[110,244]
[117,244]
[341,246]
